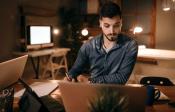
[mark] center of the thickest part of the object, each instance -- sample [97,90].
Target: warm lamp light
[56,31]
[137,29]
[166,4]
[166,9]
[84,32]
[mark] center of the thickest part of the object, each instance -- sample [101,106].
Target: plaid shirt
[112,67]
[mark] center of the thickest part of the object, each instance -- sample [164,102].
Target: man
[111,55]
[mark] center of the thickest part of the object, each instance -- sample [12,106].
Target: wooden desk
[18,86]
[160,107]
[164,107]
[39,53]
[156,53]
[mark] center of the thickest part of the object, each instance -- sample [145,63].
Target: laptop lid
[81,97]
[11,71]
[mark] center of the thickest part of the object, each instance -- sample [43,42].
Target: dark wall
[42,11]
[9,28]
[10,22]
[165,25]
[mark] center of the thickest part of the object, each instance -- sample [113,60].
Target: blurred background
[73,22]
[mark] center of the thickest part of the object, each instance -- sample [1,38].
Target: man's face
[111,27]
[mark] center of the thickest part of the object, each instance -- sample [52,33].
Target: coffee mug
[153,94]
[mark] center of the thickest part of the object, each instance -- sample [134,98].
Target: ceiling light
[84,32]
[56,31]
[166,9]
[166,5]
[137,29]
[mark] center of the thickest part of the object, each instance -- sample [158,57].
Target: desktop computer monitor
[39,36]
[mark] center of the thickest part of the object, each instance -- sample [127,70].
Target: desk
[156,53]
[19,86]
[37,54]
[163,107]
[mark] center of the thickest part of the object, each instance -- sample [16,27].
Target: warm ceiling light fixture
[166,9]
[137,29]
[166,5]
[84,32]
[56,31]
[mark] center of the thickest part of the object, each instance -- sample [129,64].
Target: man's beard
[111,38]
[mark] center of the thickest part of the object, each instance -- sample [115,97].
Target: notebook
[31,102]
[11,71]
[41,88]
[81,97]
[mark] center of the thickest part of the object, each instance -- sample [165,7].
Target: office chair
[56,61]
[151,80]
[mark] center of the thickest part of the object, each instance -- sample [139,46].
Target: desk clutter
[6,100]
[162,96]
[41,88]
[33,100]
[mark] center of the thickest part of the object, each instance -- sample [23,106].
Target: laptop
[11,71]
[82,97]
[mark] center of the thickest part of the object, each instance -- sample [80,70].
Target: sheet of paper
[163,96]
[41,88]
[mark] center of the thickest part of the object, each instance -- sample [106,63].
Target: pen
[67,75]
[69,78]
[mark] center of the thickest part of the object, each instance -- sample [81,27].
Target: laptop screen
[81,97]
[11,71]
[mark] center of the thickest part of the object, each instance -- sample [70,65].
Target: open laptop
[11,71]
[77,96]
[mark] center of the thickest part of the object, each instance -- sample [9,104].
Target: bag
[30,102]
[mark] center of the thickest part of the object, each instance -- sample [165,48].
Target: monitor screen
[39,36]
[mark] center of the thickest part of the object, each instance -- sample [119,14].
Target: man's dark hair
[109,9]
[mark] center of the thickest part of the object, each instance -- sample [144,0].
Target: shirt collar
[99,42]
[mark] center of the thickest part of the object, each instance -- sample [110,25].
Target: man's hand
[69,79]
[80,78]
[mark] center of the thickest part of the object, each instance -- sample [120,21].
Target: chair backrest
[59,57]
[56,61]
[61,53]
[151,80]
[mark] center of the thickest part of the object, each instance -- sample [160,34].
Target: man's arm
[80,62]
